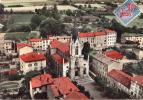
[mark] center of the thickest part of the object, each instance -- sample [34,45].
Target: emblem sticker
[127,12]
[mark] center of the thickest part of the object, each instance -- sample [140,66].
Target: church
[66,58]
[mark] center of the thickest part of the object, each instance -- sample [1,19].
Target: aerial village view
[71,49]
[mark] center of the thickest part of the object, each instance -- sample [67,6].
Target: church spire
[74,31]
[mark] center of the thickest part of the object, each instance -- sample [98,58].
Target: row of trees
[48,21]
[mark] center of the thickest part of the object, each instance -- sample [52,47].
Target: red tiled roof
[109,30]
[31,57]
[64,86]
[36,39]
[114,54]
[138,79]
[55,90]
[120,77]
[21,45]
[55,43]
[76,96]
[58,58]
[41,80]
[91,34]
[65,48]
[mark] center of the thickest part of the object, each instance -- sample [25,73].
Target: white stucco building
[23,48]
[101,65]
[7,46]
[39,44]
[133,37]
[32,61]
[97,40]
[136,90]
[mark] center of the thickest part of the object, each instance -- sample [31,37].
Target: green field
[20,36]
[19,19]
[27,3]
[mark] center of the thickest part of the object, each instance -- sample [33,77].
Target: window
[35,64]
[29,65]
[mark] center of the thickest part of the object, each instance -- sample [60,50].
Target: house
[53,88]
[103,39]
[96,39]
[67,58]
[119,80]
[32,61]
[63,39]
[23,48]
[39,43]
[136,90]
[111,37]
[138,38]
[101,65]
[39,84]
[7,46]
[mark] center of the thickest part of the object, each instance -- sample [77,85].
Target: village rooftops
[41,80]
[91,34]
[58,58]
[37,39]
[120,77]
[138,80]
[114,54]
[104,59]
[94,34]
[63,47]
[32,57]
[22,45]
[63,86]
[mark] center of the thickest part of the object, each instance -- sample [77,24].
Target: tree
[65,2]
[85,50]
[55,14]
[69,12]
[89,6]
[44,10]
[36,20]
[86,29]
[51,26]
[1,8]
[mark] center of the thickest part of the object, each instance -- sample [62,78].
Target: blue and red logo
[127,12]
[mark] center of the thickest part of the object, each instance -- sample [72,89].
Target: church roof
[63,47]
